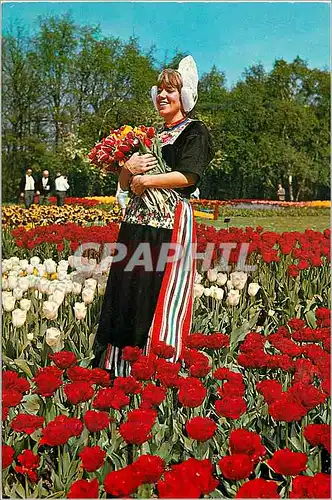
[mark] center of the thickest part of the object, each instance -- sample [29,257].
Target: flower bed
[295,204]
[245,413]
[244,410]
[44,215]
[87,202]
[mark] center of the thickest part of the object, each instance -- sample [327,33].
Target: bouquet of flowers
[111,153]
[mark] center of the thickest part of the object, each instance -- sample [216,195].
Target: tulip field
[245,412]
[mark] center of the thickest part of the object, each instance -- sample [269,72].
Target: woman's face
[169,103]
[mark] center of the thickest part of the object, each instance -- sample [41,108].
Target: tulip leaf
[165,451]
[91,340]
[23,365]
[238,334]
[296,443]
[20,491]
[311,318]
[7,360]
[31,403]
[216,494]
[85,362]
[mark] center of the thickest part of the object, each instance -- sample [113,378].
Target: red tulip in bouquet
[111,153]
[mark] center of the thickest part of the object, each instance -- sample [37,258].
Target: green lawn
[276,223]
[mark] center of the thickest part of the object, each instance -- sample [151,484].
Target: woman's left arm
[170,180]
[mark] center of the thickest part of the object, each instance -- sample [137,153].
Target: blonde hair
[170,78]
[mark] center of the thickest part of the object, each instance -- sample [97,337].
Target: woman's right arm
[137,164]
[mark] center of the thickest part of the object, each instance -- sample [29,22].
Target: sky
[231,36]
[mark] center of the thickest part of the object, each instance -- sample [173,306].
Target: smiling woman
[149,296]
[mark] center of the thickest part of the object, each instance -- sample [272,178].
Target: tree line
[66,86]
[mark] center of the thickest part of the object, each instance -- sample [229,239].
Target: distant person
[28,188]
[44,187]
[281,193]
[121,198]
[61,187]
[196,194]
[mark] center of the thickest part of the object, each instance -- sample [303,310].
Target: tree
[22,112]
[54,52]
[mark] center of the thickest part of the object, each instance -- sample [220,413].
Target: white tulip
[38,295]
[23,283]
[50,309]
[6,265]
[34,261]
[58,297]
[229,285]
[32,280]
[62,274]
[68,286]
[30,336]
[60,286]
[77,261]
[25,304]
[77,287]
[53,285]
[221,279]
[87,295]
[63,265]
[50,266]
[253,289]
[15,261]
[90,283]
[198,290]
[233,297]
[24,264]
[207,292]
[43,285]
[217,293]
[18,317]
[239,279]
[41,269]
[80,310]
[8,302]
[4,283]
[30,269]
[212,275]
[54,339]
[18,293]
[12,282]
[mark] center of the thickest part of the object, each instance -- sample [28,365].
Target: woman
[145,305]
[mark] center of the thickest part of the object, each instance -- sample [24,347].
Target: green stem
[286,434]
[59,464]
[26,487]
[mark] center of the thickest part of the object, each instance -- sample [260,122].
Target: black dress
[137,295]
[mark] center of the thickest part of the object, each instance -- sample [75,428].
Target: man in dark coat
[44,186]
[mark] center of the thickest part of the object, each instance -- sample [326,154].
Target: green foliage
[69,84]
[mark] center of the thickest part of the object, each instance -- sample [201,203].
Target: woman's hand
[138,185]
[140,164]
